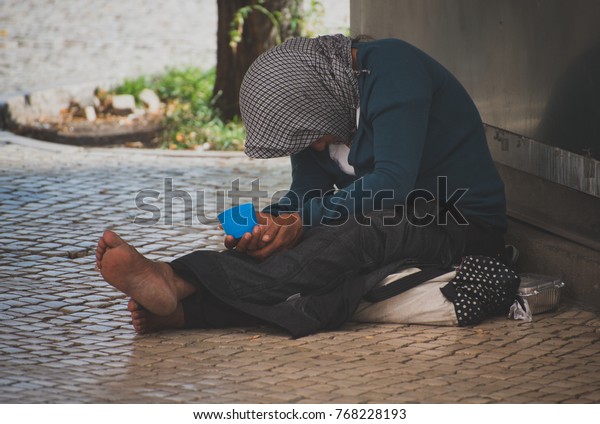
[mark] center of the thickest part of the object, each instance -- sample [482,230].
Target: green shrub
[133,87]
[190,119]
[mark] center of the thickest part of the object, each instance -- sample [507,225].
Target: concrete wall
[533,67]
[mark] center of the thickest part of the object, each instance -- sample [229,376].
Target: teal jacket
[418,130]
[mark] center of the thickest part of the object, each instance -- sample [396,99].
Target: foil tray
[542,292]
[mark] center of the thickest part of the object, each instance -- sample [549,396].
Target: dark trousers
[325,257]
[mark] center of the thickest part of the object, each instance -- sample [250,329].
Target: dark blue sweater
[417,123]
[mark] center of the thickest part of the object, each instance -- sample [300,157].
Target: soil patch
[93,119]
[141,132]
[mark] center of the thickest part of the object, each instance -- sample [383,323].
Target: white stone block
[90,113]
[150,99]
[123,103]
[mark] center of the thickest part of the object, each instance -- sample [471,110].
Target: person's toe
[138,327]
[132,305]
[111,239]
[139,321]
[101,247]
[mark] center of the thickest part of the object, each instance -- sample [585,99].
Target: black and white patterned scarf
[298,92]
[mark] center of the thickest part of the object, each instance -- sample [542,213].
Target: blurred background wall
[48,43]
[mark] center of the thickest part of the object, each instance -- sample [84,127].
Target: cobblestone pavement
[65,335]
[52,43]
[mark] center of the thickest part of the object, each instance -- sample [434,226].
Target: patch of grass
[190,118]
[133,86]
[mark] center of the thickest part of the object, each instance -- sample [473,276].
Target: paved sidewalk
[65,334]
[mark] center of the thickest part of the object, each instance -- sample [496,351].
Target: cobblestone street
[65,334]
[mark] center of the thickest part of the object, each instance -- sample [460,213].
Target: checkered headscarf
[298,92]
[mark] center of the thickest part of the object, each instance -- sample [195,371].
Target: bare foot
[153,284]
[146,322]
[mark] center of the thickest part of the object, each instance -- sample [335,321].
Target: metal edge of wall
[545,161]
[547,187]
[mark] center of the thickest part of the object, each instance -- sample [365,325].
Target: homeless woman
[390,167]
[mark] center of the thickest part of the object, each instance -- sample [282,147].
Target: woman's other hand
[281,232]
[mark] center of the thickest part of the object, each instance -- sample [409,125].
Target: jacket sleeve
[309,181]
[395,101]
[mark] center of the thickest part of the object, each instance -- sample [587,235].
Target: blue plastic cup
[238,220]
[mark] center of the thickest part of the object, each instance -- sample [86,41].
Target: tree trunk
[258,36]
